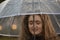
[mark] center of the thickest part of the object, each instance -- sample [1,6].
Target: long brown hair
[50,33]
[48,29]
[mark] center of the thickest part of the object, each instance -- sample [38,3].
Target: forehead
[35,17]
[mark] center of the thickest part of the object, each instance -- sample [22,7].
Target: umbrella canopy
[12,10]
[1,1]
[20,7]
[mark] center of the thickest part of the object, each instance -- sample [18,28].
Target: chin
[36,33]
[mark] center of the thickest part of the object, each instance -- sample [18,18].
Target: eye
[30,22]
[38,22]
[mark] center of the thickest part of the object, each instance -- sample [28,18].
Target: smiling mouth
[34,30]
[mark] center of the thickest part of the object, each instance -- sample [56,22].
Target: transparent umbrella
[12,11]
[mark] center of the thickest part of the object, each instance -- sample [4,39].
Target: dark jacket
[36,38]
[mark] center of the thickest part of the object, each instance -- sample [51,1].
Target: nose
[34,25]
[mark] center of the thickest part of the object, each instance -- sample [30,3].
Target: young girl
[37,27]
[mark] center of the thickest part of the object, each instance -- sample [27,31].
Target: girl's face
[35,24]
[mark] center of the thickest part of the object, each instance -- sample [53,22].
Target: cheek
[30,27]
[40,27]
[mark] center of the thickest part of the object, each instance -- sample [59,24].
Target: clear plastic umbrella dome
[19,7]
[12,11]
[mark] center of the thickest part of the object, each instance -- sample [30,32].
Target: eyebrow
[38,21]
[35,21]
[31,21]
